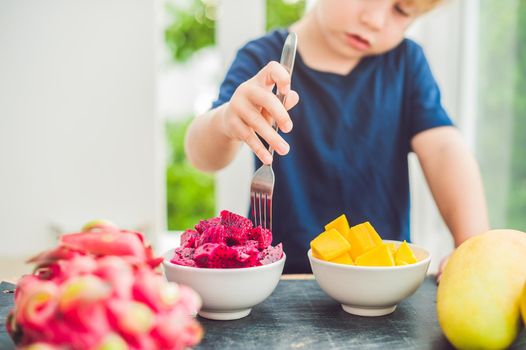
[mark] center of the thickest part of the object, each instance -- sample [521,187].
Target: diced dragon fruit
[183,256]
[271,254]
[230,219]
[204,224]
[189,238]
[261,235]
[214,234]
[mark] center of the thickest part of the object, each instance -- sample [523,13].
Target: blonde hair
[423,6]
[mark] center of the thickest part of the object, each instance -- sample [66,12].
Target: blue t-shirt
[349,145]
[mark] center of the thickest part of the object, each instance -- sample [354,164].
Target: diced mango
[341,225]
[392,248]
[378,256]
[345,258]
[361,240]
[404,255]
[372,232]
[329,245]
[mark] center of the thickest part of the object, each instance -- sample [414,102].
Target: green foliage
[502,110]
[283,13]
[189,193]
[191,29]
[517,201]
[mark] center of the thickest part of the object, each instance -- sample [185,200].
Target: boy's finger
[244,133]
[291,99]
[254,120]
[258,148]
[270,102]
[274,73]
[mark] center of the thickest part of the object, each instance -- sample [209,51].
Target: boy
[368,98]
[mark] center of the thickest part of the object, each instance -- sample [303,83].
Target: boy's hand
[253,109]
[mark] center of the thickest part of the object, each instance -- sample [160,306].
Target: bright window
[501,110]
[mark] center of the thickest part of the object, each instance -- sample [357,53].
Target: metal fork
[262,185]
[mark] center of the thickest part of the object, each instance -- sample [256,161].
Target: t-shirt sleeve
[246,64]
[425,110]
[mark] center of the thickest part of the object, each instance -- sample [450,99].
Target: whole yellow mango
[480,289]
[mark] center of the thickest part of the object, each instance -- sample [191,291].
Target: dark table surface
[299,315]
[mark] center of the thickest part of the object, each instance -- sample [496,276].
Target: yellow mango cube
[361,240]
[378,256]
[329,245]
[341,225]
[345,258]
[404,255]
[392,248]
[366,226]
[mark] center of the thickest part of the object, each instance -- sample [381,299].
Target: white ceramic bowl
[370,290]
[227,294]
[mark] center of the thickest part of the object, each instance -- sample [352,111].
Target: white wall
[79,138]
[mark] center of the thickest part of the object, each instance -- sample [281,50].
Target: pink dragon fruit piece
[262,236]
[271,254]
[230,219]
[247,256]
[203,253]
[189,239]
[214,255]
[235,236]
[213,234]
[183,256]
[203,225]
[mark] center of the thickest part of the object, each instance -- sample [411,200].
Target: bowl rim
[167,262]
[424,261]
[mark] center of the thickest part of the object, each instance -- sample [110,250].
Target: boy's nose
[375,16]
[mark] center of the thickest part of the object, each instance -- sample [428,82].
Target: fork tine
[255,209]
[270,211]
[260,210]
[265,212]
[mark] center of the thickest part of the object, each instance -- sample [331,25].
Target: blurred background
[95,98]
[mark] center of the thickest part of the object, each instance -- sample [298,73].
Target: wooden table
[299,315]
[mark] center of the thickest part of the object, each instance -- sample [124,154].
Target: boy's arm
[215,150]
[454,179]
[213,138]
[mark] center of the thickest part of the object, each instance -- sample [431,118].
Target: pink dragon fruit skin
[89,294]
